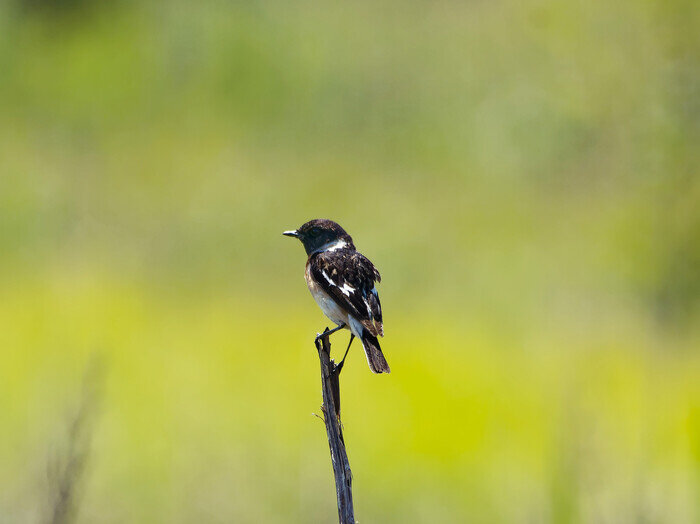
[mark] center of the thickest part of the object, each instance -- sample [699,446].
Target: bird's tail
[375,357]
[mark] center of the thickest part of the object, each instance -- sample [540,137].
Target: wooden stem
[330,384]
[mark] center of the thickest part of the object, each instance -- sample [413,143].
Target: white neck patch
[332,246]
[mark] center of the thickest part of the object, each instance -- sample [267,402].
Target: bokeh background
[524,175]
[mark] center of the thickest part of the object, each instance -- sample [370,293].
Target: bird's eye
[315,232]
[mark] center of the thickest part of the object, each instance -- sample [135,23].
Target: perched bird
[341,280]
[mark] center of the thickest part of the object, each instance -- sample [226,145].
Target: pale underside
[331,309]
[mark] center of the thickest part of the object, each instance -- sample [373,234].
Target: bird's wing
[349,278]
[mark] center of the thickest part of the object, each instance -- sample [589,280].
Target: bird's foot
[328,332]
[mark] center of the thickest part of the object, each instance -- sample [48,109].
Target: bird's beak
[292,233]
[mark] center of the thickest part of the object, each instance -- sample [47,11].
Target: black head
[319,234]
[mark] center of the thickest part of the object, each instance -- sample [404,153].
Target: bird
[343,283]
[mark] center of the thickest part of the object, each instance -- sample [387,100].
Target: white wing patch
[346,289]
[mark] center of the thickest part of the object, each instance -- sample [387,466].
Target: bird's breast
[329,306]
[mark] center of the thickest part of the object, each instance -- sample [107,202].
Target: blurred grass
[523,174]
[206,420]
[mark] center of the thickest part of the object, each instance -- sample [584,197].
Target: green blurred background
[523,174]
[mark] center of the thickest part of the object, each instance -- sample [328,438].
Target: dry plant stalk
[330,384]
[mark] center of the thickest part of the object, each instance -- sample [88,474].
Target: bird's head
[321,234]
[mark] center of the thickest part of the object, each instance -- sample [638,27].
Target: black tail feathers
[375,357]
